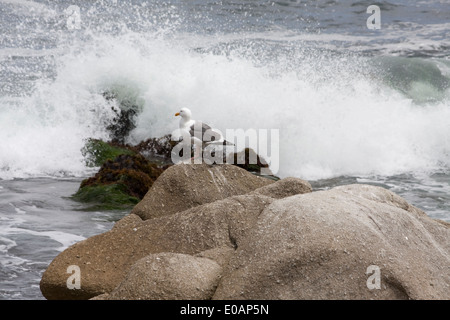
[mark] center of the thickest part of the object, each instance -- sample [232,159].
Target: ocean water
[352,104]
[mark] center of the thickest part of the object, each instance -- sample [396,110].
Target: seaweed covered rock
[127,172]
[96,152]
[105,197]
[134,171]
[119,183]
[156,147]
[248,159]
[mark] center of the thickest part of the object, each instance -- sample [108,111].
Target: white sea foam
[64,238]
[334,119]
[29,8]
[6,244]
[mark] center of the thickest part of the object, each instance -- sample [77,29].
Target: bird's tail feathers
[219,143]
[227,143]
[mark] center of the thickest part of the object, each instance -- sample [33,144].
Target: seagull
[202,135]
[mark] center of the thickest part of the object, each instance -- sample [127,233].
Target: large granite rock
[169,276]
[183,186]
[105,259]
[326,245]
[260,240]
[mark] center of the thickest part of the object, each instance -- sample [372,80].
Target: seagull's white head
[185,113]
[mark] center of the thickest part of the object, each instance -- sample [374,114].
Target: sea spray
[336,114]
[339,112]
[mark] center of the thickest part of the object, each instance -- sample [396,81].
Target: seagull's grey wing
[204,132]
[198,129]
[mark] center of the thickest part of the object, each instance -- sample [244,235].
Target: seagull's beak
[177,114]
